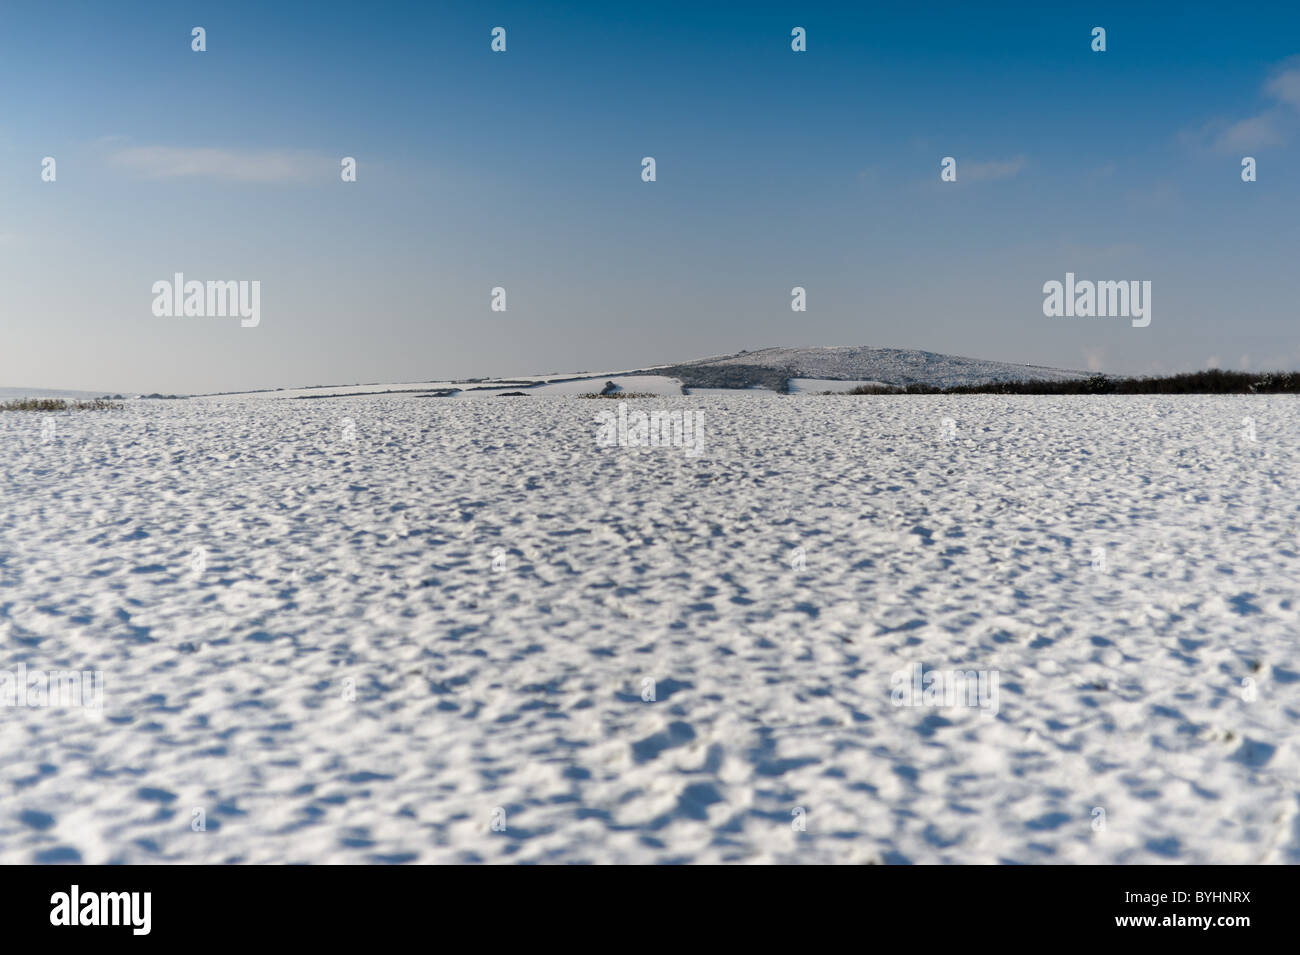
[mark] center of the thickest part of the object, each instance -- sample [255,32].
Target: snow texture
[403,629]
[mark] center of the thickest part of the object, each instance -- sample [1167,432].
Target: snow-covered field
[817,386]
[534,385]
[404,629]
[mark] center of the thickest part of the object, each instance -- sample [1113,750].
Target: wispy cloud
[1261,130]
[223,165]
[1268,127]
[1264,129]
[1284,84]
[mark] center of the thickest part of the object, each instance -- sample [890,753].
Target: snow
[726,392]
[369,629]
[633,384]
[819,386]
[542,386]
[838,368]
[372,388]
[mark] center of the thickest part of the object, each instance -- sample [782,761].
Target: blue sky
[522,170]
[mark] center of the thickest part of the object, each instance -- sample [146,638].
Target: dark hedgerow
[58,404]
[1213,381]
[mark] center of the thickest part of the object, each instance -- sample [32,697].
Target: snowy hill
[772,367]
[794,370]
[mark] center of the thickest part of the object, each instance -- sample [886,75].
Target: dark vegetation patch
[728,376]
[59,404]
[619,394]
[1211,382]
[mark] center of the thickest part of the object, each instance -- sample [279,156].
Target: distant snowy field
[411,629]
